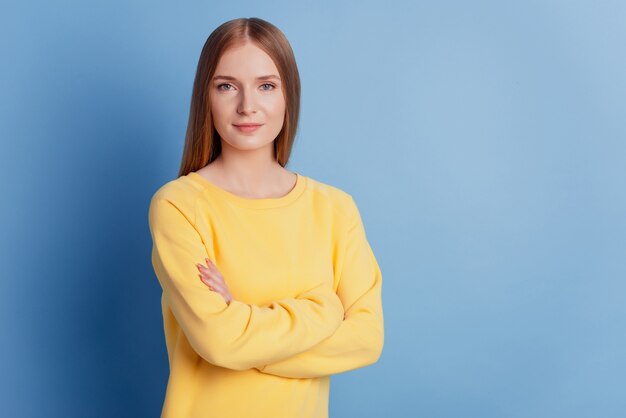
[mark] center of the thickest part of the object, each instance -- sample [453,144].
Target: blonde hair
[202,142]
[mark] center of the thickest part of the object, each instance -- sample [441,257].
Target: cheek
[218,111]
[277,108]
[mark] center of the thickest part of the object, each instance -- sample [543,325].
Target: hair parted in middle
[202,141]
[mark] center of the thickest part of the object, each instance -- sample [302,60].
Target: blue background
[484,143]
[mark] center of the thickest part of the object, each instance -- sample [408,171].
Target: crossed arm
[317,333]
[359,340]
[238,335]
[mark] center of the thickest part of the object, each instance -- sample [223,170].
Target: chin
[249,143]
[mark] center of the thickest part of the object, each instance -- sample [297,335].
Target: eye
[269,84]
[219,87]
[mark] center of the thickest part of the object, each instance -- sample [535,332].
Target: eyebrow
[227,77]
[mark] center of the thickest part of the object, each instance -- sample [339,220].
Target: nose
[247,104]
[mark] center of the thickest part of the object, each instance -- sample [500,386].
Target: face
[246,89]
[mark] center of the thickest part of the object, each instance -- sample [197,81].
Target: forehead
[246,61]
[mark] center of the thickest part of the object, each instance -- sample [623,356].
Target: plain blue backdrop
[484,143]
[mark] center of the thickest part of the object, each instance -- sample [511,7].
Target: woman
[269,283]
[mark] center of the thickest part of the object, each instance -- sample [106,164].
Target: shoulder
[180,194]
[338,199]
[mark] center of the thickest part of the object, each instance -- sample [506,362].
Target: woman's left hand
[212,277]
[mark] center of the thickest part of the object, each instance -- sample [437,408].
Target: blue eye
[219,87]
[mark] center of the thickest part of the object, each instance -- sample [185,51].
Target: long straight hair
[202,141]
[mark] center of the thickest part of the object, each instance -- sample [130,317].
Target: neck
[249,170]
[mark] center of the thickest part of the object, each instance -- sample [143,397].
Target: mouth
[247,127]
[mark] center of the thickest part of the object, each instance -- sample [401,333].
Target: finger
[217,280]
[202,269]
[214,275]
[209,283]
[224,294]
[207,276]
[213,268]
[206,270]
[215,285]
[205,280]
[211,265]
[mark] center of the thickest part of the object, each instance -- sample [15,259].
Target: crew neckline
[255,203]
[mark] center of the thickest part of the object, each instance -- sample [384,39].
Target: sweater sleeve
[238,335]
[359,340]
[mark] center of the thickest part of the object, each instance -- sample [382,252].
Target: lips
[247,127]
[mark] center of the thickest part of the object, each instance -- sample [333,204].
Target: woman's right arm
[238,335]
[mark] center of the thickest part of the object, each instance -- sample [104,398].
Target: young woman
[269,283]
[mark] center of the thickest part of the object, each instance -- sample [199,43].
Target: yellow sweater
[306,302]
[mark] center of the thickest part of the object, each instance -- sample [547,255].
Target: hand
[214,280]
